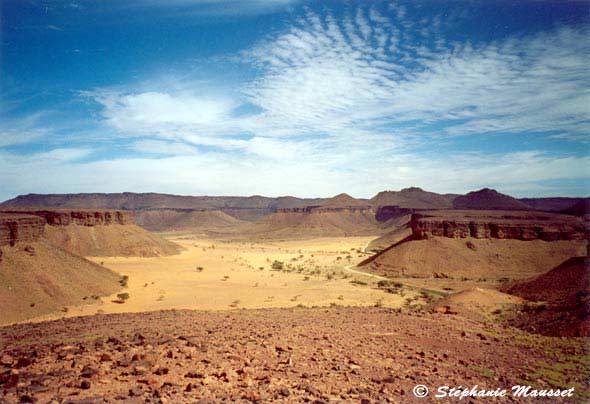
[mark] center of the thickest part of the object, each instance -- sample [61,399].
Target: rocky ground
[317,355]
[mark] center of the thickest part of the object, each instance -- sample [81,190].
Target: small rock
[135,392]
[23,363]
[105,357]
[6,360]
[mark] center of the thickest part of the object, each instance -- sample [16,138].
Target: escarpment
[496,225]
[81,217]
[16,228]
[476,244]
[85,232]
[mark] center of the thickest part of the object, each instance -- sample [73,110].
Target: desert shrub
[200,269]
[235,303]
[357,282]
[278,265]
[470,245]
[123,280]
[306,278]
[384,284]
[123,296]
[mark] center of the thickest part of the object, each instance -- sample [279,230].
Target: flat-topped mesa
[497,225]
[16,228]
[319,209]
[81,217]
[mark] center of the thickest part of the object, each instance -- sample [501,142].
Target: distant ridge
[413,197]
[489,199]
[150,200]
[344,201]
[231,214]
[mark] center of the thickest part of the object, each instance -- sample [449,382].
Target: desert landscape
[343,300]
[294,201]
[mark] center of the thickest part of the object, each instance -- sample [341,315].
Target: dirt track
[321,355]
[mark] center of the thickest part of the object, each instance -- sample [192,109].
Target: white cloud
[220,174]
[340,105]
[156,110]
[334,77]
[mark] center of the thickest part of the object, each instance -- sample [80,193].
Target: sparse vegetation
[277,265]
[123,296]
[124,280]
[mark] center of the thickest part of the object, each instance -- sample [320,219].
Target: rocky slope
[350,355]
[477,304]
[37,278]
[472,258]
[488,199]
[97,232]
[497,224]
[20,227]
[563,294]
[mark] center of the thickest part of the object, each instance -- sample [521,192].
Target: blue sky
[307,98]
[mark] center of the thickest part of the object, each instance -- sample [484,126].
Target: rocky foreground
[319,355]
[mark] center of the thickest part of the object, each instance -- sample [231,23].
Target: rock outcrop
[84,232]
[497,225]
[16,228]
[81,217]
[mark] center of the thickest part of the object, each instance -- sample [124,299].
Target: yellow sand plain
[225,275]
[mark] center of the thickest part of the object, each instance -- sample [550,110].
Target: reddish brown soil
[38,278]
[365,355]
[109,241]
[563,300]
[472,258]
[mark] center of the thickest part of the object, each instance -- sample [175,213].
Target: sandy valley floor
[222,275]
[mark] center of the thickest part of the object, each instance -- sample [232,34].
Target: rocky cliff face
[19,227]
[496,225]
[64,217]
